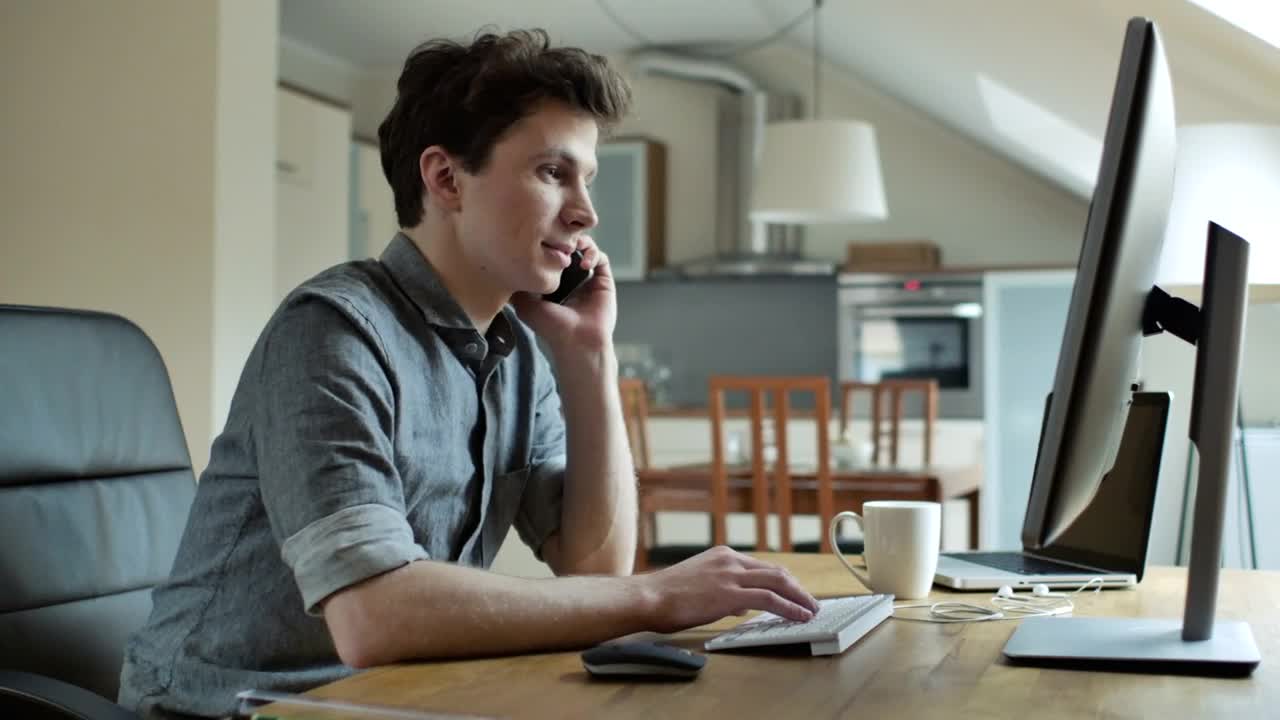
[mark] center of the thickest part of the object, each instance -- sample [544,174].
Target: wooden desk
[686,488]
[899,670]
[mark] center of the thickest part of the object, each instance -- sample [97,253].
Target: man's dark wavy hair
[464,97]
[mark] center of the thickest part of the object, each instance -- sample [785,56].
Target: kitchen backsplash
[677,333]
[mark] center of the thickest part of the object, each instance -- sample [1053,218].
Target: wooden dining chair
[634,396]
[770,486]
[887,398]
[635,412]
[694,495]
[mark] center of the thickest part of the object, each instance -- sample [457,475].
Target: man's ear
[439,177]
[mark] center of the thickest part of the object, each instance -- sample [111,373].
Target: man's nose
[579,213]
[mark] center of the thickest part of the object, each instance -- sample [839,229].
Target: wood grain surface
[901,669]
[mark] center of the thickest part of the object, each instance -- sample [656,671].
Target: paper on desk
[266,705]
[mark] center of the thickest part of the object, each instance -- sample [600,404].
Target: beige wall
[313,192]
[111,188]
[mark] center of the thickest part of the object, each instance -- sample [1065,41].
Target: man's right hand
[720,582]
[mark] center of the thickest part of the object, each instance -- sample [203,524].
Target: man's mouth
[564,253]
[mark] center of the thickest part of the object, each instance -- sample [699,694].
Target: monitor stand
[1195,645]
[1145,645]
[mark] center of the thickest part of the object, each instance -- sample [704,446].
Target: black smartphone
[571,279]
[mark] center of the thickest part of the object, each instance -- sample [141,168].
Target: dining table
[687,487]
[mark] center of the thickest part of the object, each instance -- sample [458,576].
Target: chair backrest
[887,396]
[95,486]
[635,411]
[775,393]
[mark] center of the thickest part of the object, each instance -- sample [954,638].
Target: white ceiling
[1030,79]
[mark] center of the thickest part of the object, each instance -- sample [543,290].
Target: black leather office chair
[95,486]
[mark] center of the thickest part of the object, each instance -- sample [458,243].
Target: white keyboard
[840,622]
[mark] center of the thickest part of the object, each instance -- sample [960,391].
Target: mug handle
[835,546]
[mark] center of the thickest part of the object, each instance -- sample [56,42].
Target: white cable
[1008,606]
[950,612]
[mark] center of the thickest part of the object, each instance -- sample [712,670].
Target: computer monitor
[1123,235]
[1113,304]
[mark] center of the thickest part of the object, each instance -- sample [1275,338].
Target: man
[396,418]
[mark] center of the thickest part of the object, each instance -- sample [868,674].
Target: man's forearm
[431,609]
[598,520]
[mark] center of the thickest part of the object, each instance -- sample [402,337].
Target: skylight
[1258,17]
[1073,153]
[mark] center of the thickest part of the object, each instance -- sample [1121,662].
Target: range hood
[743,246]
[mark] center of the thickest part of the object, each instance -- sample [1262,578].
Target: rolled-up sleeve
[322,432]
[543,500]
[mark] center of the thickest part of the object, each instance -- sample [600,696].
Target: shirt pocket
[504,505]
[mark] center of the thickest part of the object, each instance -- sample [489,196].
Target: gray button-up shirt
[373,425]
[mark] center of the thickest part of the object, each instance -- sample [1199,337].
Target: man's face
[523,213]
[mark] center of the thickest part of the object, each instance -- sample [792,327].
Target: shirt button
[472,348]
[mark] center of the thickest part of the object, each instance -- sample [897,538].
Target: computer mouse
[639,658]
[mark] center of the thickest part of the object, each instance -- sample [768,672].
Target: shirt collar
[422,284]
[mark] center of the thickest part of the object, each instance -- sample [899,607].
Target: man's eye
[552,172]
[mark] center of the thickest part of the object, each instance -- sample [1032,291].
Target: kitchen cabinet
[629,194]
[1250,538]
[312,187]
[373,210]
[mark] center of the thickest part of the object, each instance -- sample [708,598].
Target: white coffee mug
[900,541]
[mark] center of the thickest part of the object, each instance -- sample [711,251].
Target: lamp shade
[818,171]
[1230,174]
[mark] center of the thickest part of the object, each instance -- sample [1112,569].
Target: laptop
[1107,541]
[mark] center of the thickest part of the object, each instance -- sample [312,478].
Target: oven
[926,326]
